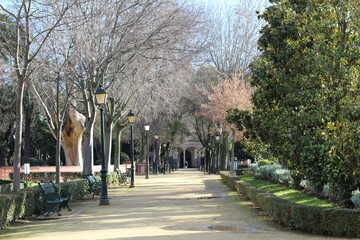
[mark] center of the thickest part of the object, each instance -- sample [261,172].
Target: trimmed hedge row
[339,222]
[27,202]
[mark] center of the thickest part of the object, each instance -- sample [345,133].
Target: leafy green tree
[307,97]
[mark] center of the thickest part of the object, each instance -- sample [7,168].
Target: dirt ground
[186,204]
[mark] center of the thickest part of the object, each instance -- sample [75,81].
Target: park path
[183,205]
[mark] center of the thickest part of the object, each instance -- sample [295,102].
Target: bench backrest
[118,171]
[91,179]
[48,187]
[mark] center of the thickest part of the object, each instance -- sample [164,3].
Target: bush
[124,157]
[283,176]
[331,221]
[264,162]
[356,198]
[309,187]
[274,173]
[28,202]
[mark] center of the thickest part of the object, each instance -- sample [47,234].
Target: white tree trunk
[108,144]
[72,138]
[117,149]
[88,150]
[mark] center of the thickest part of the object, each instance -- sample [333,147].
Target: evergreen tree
[307,98]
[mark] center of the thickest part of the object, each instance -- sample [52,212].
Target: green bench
[94,185]
[54,198]
[123,177]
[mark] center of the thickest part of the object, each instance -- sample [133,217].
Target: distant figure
[186,164]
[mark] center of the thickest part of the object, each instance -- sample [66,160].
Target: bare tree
[54,93]
[233,34]
[30,19]
[116,46]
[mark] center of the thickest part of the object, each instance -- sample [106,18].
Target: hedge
[337,222]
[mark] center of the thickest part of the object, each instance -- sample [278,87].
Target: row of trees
[60,51]
[142,52]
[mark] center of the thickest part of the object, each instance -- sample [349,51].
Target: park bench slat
[54,199]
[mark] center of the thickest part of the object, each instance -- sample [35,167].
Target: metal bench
[94,185]
[54,198]
[123,177]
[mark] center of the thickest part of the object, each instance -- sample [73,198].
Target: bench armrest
[51,197]
[65,193]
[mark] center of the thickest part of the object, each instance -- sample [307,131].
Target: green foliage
[286,193]
[124,157]
[43,142]
[264,162]
[177,131]
[240,118]
[297,210]
[356,198]
[28,203]
[307,101]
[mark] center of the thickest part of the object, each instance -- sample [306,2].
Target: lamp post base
[104,201]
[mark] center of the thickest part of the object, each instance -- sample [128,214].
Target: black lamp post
[209,158]
[164,159]
[217,137]
[156,137]
[101,96]
[168,156]
[131,120]
[147,129]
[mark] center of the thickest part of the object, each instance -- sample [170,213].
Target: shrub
[124,157]
[356,198]
[264,162]
[308,186]
[253,167]
[283,176]
[332,221]
[273,172]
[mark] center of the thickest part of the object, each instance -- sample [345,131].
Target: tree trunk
[88,147]
[117,155]
[18,134]
[232,150]
[224,151]
[27,136]
[108,145]
[71,140]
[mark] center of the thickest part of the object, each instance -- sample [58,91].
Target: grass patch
[286,193]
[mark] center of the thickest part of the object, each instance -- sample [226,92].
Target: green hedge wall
[27,202]
[339,222]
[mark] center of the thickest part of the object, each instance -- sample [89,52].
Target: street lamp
[147,129]
[131,120]
[168,156]
[101,96]
[164,159]
[156,137]
[207,156]
[217,137]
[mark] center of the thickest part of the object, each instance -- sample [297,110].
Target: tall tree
[31,34]
[231,93]
[307,81]
[233,34]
